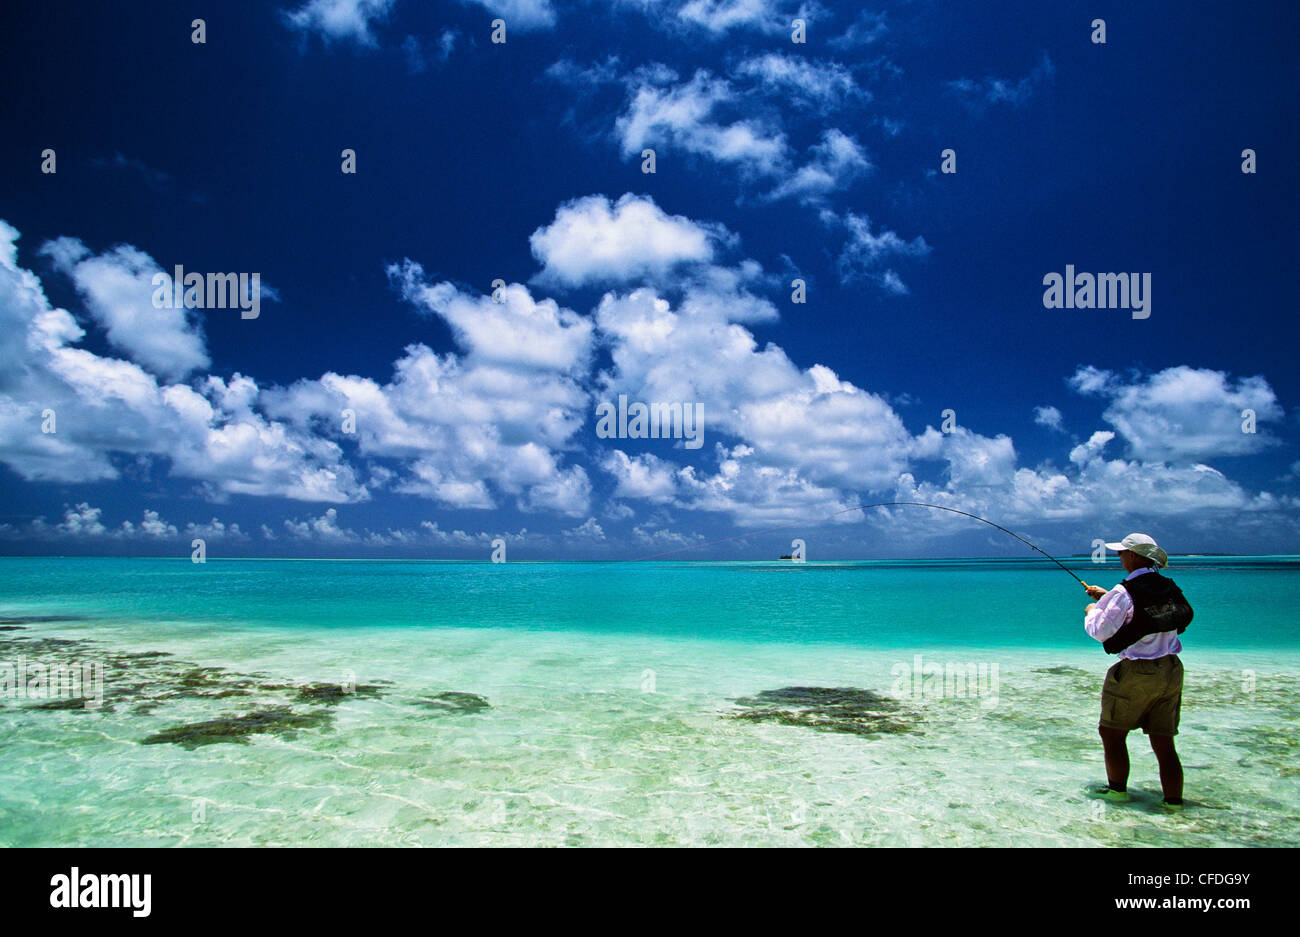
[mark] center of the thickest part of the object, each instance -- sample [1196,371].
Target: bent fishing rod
[864,507]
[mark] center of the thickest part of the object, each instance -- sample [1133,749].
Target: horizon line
[434,559]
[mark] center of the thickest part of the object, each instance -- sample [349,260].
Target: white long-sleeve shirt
[1114,610]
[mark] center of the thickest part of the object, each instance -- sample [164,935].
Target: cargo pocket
[1113,701]
[1115,707]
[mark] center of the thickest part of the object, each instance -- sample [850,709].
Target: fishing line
[863,507]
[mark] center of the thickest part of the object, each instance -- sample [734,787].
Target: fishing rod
[878,504]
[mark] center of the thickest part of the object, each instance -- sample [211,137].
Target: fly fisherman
[1140,620]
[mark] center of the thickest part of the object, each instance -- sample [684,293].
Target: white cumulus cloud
[520,14]
[1183,413]
[595,240]
[118,291]
[340,19]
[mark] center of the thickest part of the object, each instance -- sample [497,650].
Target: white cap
[1142,545]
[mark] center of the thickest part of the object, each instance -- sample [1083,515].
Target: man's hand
[1089,607]
[1095,591]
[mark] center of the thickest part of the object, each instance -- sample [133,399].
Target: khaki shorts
[1143,694]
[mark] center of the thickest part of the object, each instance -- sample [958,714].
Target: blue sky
[475,419]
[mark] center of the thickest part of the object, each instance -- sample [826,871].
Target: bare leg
[1114,743]
[1171,769]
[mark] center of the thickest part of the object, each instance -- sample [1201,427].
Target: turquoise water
[347,702]
[1241,602]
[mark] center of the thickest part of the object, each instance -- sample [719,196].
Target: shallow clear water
[596,700]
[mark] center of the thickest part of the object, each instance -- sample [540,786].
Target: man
[1140,619]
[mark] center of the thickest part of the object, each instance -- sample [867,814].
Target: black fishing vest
[1158,605]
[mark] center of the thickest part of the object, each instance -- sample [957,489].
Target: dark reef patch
[78,702]
[827,709]
[454,702]
[154,684]
[331,694]
[278,720]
